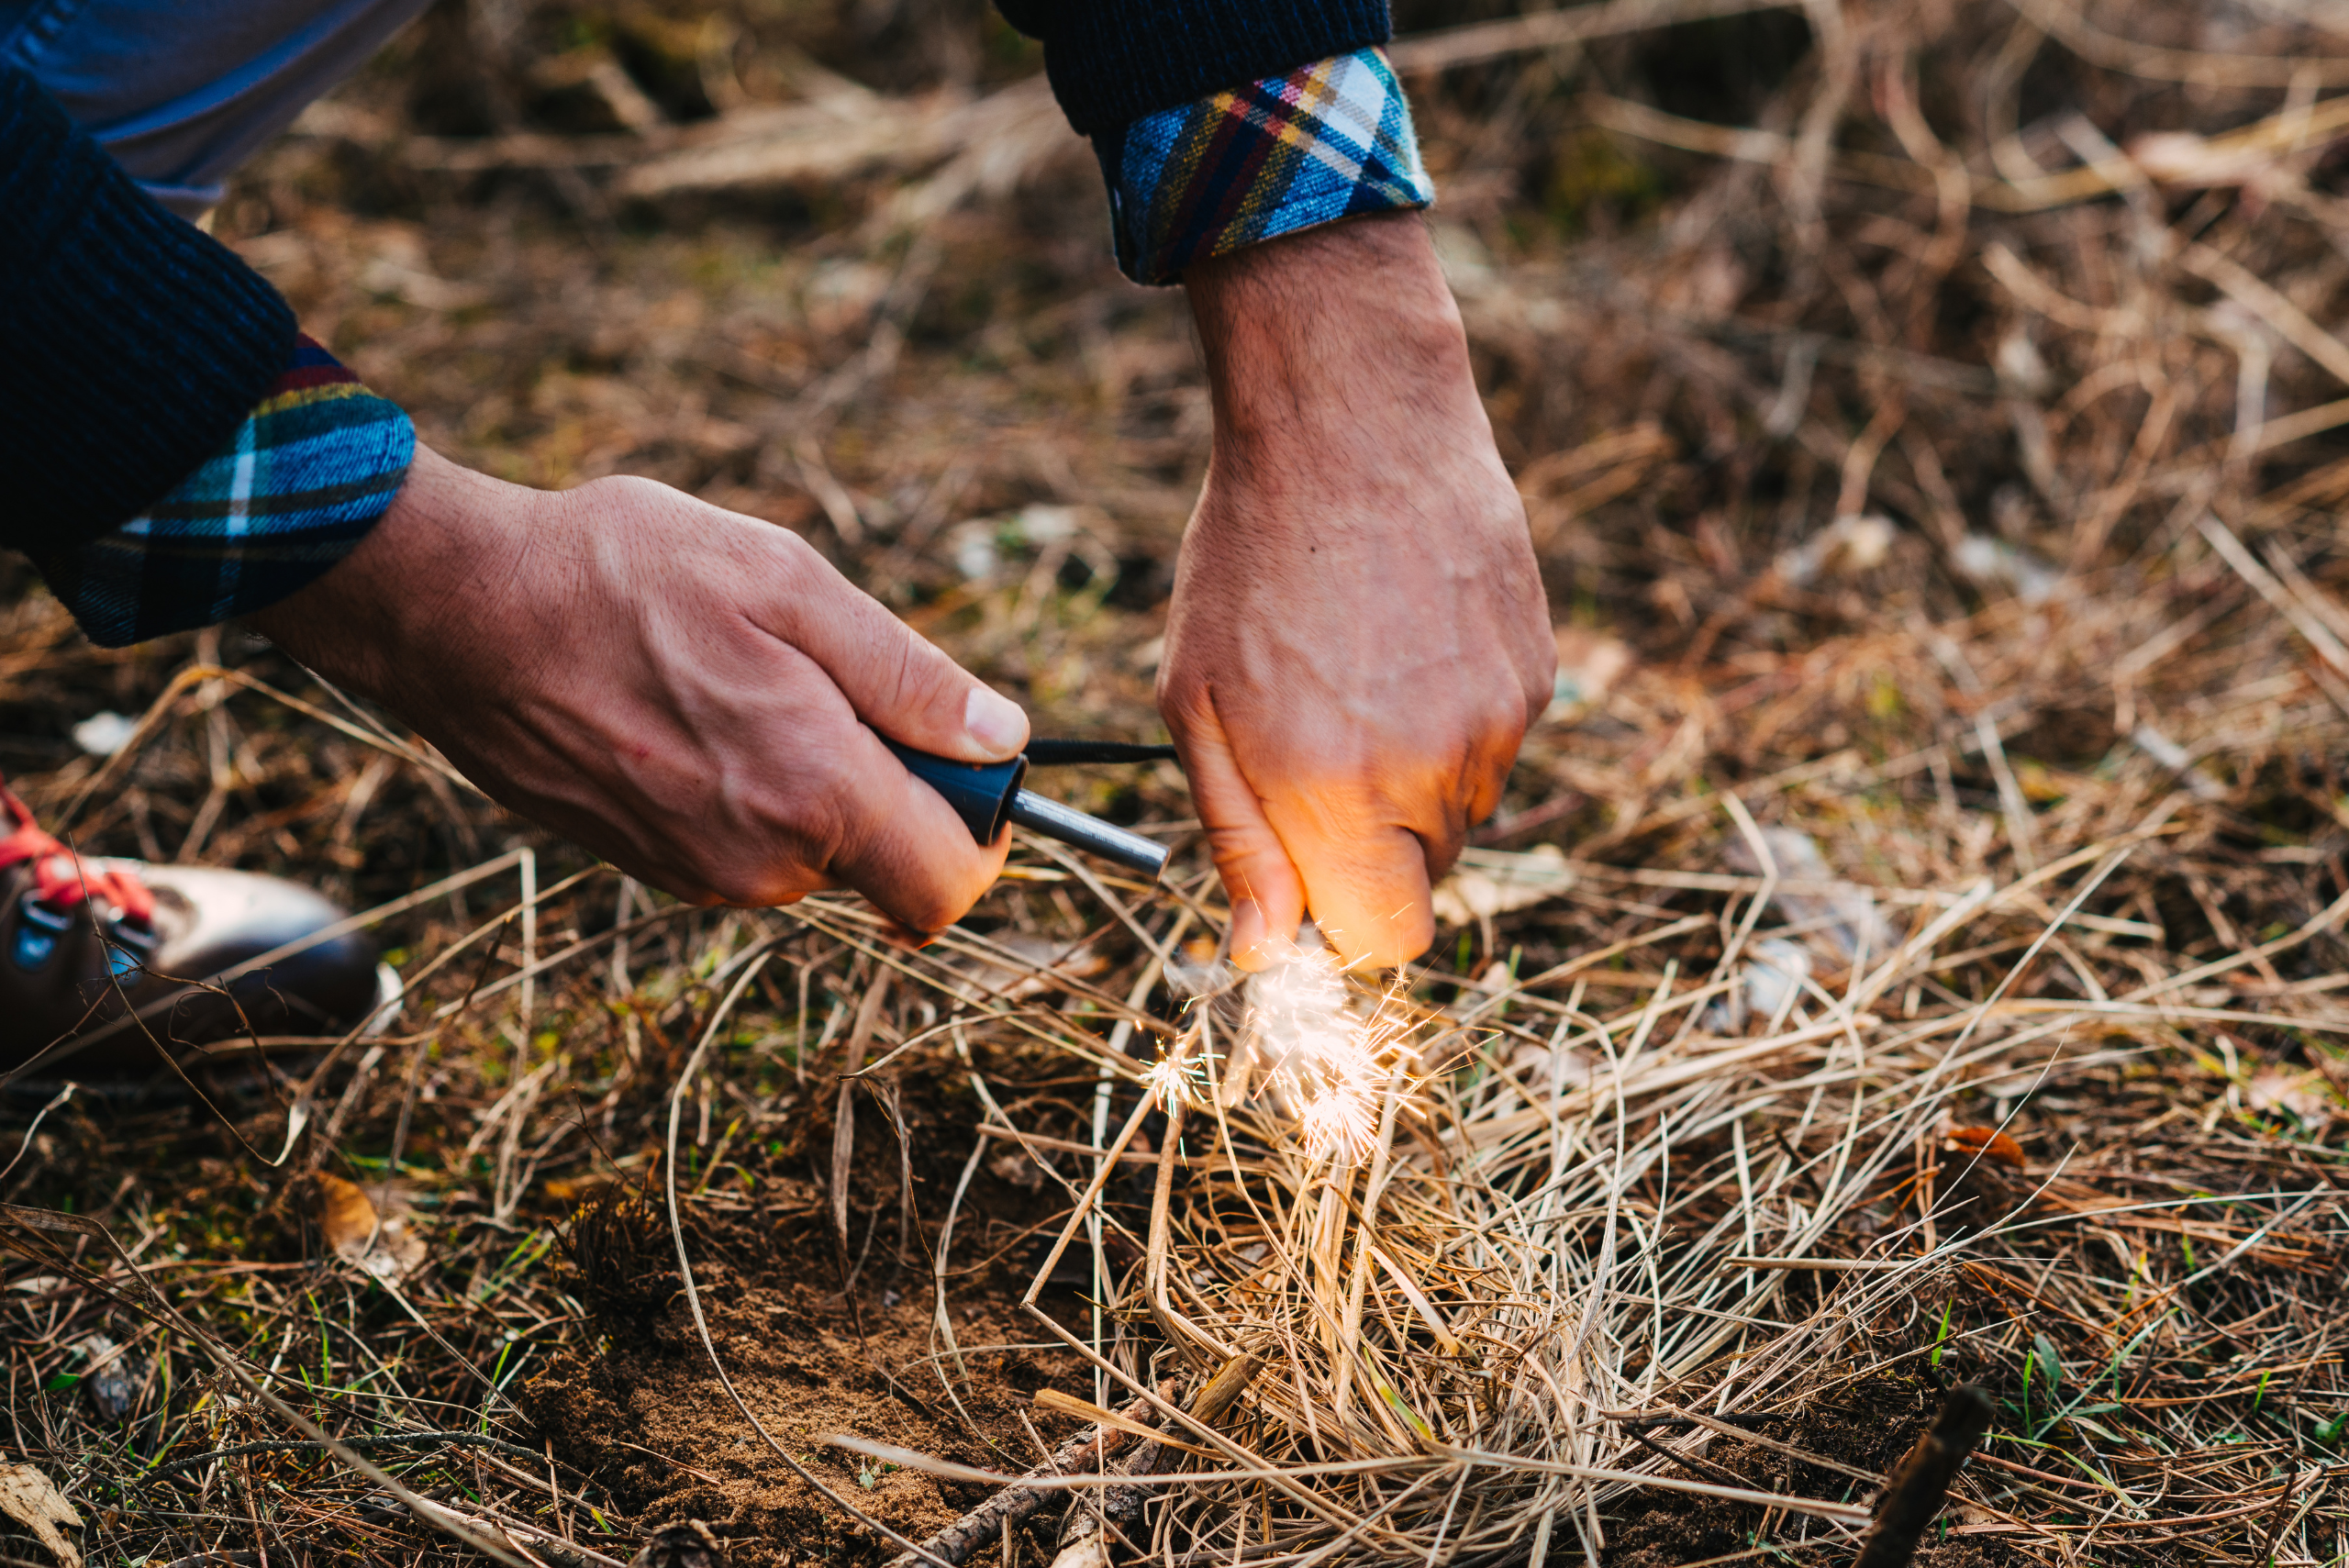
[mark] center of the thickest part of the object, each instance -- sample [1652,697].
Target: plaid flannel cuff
[294,490]
[1328,140]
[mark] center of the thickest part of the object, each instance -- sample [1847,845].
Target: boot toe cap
[211,921]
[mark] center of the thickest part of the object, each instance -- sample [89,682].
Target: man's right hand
[682,690]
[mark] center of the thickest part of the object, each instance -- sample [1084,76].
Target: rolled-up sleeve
[1221,124]
[303,478]
[1323,142]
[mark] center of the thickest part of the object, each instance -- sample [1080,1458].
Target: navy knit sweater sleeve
[1112,61]
[132,344]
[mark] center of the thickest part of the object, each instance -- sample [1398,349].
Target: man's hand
[1358,637]
[677,687]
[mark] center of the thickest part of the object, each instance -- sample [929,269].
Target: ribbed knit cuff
[308,472]
[1112,61]
[134,344]
[1326,141]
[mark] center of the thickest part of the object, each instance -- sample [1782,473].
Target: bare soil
[636,1404]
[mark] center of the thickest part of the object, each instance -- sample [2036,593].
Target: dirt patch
[650,1420]
[1865,1426]
[638,1407]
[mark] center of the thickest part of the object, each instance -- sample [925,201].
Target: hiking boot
[103,962]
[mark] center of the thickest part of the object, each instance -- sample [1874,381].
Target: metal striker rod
[1111,843]
[987,794]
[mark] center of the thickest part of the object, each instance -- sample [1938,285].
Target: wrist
[449,535]
[1341,385]
[1298,332]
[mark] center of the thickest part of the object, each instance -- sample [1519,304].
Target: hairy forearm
[1308,339]
[424,576]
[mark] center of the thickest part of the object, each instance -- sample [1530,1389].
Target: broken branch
[1918,1484]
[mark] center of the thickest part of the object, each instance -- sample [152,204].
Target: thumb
[896,679]
[1266,895]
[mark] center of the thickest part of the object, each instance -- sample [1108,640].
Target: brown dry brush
[2017,810]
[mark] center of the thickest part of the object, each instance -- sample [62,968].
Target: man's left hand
[1358,637]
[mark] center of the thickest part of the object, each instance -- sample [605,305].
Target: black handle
[986,796]
[980,792]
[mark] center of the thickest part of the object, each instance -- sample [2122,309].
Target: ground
[1948,749]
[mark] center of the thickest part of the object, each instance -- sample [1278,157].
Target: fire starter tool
[985,795]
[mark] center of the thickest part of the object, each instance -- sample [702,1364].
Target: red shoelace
[62,879]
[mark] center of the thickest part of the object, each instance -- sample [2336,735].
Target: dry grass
[2020,811]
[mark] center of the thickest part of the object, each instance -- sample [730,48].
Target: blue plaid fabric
[1328,140]
[294,490]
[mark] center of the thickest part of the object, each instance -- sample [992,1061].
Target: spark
[1325,1058]
[1338,1125]
[1176,1080]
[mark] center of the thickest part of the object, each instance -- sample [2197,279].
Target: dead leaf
[1844,547]
[1492,882]
[1983,1143]
[386,1248]
[2306,1097]
[345,1214]
[1976,1181]
[27,1497]
[1017,1169]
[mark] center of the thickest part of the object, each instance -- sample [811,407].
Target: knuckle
[1507,712]
[1537,677]
[1184,695]
[918,675]
[1177,702]
[628,492]
[804,830]
[795,558]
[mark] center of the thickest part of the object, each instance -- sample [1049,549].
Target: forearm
[438,565]
[1291,328]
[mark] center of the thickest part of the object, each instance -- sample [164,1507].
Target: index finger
[903,847]
[1260,883]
